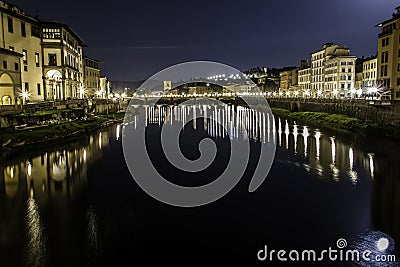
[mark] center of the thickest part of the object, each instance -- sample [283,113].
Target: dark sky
[136,39]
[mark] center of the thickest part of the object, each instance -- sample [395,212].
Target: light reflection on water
[62,173]
[238,122]
[369,241]
[36,243]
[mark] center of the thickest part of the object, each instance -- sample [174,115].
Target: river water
[76,204]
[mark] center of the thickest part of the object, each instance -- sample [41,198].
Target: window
[4,64]
[16,66]
[23,29]
[342,86]
[52,60]
[348,85]
[343,70]
[349,69]
[384,70]
[385,57]
[51,33]
[37,61]
[39,91]
[385,42]
[25,68]
[26,87]
[25,57]
[10,25]
[349,78]
[11,48]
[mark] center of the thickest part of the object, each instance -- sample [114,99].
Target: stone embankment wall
[11,116]
[388,116]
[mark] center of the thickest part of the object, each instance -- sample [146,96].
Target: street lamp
[353,92]
[359,92]
[99,93]
[25,96]
[82,92]
[335,92]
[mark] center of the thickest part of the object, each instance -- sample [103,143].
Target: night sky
[136,39]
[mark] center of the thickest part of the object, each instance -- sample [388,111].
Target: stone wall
[383,115]
[11,116]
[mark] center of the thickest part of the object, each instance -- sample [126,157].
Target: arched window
[6,100]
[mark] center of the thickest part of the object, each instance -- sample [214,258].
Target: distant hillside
[119,86]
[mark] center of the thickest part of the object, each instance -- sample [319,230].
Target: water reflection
[47,183]
[36,247]
[324,155]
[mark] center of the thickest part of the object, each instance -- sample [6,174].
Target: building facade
[340,77]
[91,81]
[22,34]
[317,71]
[304,81]
[288,82]
[52,66]
[10,77]
[389,55]
[329,66]
[105,87]
[62,57]
[370,73]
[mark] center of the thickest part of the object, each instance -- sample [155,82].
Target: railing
[48,105]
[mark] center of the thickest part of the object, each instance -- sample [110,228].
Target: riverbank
[13,141]
[339,122]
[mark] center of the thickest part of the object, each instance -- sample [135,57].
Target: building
[288,81]
[198,89]
[52,64]
[304,79]
[10,77]
[370,73]
[332,71]
[62,66]
[340,76]
[359,75]
[389,55]
[22,34]
[105,88]
[317,71]
[91,80]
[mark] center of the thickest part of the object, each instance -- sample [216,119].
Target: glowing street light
[359,92]
[82,92]
[25,96]
[353,92]
[296,93]
[335,92]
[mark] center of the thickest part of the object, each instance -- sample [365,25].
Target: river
[77,205]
